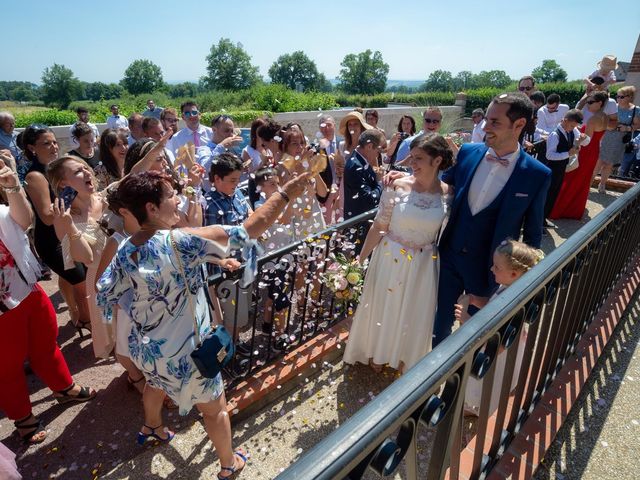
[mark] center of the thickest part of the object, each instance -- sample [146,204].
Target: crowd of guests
[112,215]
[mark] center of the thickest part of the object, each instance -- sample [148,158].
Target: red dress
[572,199]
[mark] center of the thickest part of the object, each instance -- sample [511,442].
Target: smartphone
[68,195]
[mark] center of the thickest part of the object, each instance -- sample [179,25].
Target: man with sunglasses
[431,121]
[550,115]
[194,132]
[527,85]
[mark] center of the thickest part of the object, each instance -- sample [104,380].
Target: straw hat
[608,62]
[352,116]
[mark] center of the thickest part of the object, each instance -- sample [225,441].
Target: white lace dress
[394,320]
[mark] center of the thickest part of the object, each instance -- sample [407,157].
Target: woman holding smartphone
[41,148]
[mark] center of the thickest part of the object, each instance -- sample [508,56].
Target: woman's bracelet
[76,235]
[15,189]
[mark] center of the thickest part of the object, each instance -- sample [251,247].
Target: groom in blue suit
[499,192]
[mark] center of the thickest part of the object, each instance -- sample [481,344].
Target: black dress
[48,246]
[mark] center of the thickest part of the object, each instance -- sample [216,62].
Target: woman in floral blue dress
[145,279]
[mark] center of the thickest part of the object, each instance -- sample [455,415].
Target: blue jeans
[627,161]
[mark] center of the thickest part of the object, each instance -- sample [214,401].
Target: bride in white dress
[394,320]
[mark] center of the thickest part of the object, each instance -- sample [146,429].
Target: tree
[142,76]
[296,71]
[492,78]
[439,81]
[464,80]
[102,91]
[549,71]
[364,73]
[229,67]
[184,89]
[59,86]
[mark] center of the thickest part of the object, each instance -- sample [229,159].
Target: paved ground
[600,439]
[97,439]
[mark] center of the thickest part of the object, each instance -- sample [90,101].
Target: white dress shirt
[548,121]
[477,135]
[552,144]
[185,136]
[489,180]
[118,121]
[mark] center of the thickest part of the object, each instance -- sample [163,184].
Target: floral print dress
[152,292]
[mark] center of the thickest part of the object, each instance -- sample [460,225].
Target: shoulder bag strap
[174,246]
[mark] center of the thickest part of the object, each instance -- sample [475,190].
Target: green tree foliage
[296,71]
[464,80]
[439,81]
[142,76]
[184,89]
[492,78]
[549,72]
[364,73]
[19,91]
[229,67]
[102,91]
[59,86]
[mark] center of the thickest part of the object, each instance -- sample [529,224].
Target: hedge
[278,98]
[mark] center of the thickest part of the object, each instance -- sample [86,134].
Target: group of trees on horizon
[229,67]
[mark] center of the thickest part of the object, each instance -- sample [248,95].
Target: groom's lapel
[474,161]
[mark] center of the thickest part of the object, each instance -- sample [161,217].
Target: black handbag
[216,349]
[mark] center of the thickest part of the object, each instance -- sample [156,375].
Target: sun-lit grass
[17,107]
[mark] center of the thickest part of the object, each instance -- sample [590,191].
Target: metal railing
[287,303]
[554,303]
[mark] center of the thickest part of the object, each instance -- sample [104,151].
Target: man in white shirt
[550,115]
[152,110]
[223,138]
[477,135]
[194,133]
[563,142]
[83,117]
[135,128]
[115,120]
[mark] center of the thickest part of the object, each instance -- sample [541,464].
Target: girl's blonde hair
[520,256]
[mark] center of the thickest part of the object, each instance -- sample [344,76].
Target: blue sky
[99,39]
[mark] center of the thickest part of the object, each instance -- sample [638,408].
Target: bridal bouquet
[345,279]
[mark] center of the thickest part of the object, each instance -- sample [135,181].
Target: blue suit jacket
[362,189]
[522,207]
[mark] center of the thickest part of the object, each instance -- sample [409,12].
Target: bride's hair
[435,145]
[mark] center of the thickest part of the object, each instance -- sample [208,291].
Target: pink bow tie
[502,161]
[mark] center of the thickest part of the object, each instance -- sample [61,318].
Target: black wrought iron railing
[287,303]
[553,303]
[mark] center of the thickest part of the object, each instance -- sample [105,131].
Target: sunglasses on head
[522,89]
[191,113]
[431,120]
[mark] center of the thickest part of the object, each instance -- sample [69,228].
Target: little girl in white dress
[510,261]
